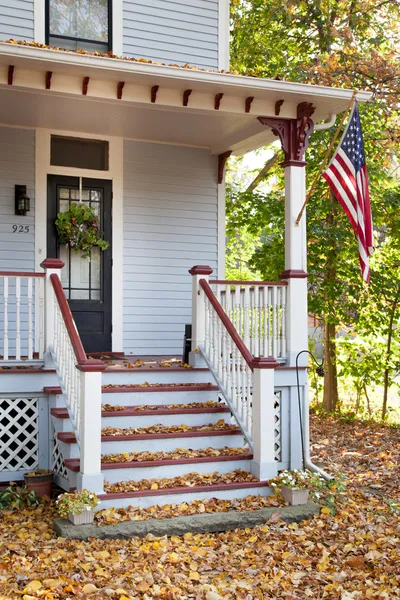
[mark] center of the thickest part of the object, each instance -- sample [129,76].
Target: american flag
[347,177]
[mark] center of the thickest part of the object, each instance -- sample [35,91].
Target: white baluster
[257,322]
[265,321]
[224,357]
[248,416]
[238,311]
[18,318]
[30,321]
[243,390]
[207,325]
[274,322]
[40,285]
[246,316]
[283,321]
[219,347]
[229,343]
[234,375]
[5,339]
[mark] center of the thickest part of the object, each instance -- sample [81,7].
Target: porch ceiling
[25,101]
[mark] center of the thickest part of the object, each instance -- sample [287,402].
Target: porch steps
[114,444]
[144,398]
[177,495]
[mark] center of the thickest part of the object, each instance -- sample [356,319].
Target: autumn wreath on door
[79,228]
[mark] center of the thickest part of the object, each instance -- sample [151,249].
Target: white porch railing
[79,377]
[258,311]
[22,315]
[246,381]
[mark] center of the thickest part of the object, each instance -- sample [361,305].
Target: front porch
[167,133]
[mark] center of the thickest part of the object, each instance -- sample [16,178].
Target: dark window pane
[79,153]
[66,44]
[84,19]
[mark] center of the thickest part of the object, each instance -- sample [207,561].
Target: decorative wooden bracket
[249,100]
[278,105]
[222,158]
[217,101]
[10,74]
[49,75]
[293,133]
[186,95]
[120,87]
[154,91]
[85,84]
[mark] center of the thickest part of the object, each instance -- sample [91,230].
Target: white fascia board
[176,77]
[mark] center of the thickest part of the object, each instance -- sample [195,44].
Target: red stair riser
[69,437]
[217,487]
[62,413]
[154,388]
[153,370]
[73,463]
[160,388]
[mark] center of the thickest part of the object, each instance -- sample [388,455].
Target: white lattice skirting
[277,428]
[19,434]
[58,460]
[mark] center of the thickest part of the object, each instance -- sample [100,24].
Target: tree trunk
[388,353]
[330,399]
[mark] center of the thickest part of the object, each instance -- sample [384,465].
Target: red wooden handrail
[20,274]
[80,353]
[234,282]
[83,363]
[229,326]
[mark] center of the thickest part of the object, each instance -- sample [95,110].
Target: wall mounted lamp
[22,201]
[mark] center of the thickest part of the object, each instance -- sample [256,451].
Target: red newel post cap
[293,274]
[264,362]
[91,365]
[52,263]
[201,270]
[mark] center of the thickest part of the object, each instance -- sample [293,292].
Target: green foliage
[328,493]
[344,45]
[76,503]
[18,497]
[79,228]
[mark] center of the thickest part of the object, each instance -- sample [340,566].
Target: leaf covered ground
[354,554]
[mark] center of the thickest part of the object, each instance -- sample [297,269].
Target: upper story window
[79,24]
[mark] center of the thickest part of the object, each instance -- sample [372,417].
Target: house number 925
[20,228]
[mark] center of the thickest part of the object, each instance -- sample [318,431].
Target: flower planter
[84,518]
[41,484]
[295,496]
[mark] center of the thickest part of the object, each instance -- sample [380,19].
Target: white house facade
[129,108]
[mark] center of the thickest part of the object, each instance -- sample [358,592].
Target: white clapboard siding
[16,19]
[172,31]
[161,241]
[17,166]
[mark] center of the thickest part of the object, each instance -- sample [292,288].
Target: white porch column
[264,465]
[296,264]
[50,266]
[198,312]
[90,476]
[294,135]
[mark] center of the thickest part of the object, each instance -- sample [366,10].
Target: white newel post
[50,266]
[198,312]
[296,264]
[264,466]
[90,476]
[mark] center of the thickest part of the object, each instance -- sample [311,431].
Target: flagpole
[314,183]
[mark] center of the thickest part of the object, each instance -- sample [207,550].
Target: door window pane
[81,277]
[77,24]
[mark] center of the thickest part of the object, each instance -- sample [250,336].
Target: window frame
[77,39]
